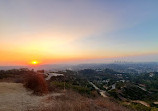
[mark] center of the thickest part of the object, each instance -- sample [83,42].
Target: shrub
[77,88]
[114,94]
[37,83]
[139,107]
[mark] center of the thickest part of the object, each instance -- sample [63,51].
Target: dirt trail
[14,97]
[142,102]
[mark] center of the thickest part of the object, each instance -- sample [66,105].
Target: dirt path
[102,93]
[14,97]
[142,102]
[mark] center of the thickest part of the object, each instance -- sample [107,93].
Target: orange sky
[76,31]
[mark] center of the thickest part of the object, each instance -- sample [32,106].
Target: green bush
[77,88]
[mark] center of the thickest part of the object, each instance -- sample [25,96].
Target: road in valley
[102,93]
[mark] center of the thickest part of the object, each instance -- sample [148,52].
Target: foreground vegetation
[80,94]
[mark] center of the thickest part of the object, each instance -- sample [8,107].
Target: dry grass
[110,105]
[72,101]
[14,97]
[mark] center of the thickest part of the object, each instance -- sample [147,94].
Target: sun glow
[34,62]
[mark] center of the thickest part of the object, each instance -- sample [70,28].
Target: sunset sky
[78,31]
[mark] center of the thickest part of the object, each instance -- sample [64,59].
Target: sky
[78,31]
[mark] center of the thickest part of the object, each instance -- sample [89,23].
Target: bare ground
[14,97]
[142,102]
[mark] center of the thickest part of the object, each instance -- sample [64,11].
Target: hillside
[14,97]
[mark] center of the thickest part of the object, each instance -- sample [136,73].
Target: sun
[34,62]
